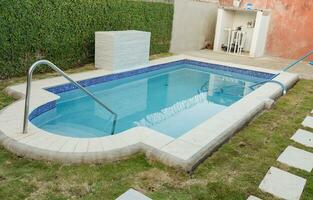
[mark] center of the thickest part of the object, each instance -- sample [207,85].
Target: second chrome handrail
[285,69]
[58,70]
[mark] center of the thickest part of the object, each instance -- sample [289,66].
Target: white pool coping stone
[297,158]
[132,194]
[184,152]
[303,137]
[282,184]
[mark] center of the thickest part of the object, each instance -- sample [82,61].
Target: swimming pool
[172,99]
[177,110]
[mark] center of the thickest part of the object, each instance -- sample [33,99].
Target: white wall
[193,25]
[260,34]
[224,20]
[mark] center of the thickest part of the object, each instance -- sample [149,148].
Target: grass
[233,172]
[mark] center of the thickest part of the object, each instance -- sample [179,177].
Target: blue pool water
[171,100]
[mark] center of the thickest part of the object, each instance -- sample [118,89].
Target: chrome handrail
[270,81]
[58,70]
[284,70]
[297,61]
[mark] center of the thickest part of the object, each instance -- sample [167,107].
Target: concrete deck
[304,69]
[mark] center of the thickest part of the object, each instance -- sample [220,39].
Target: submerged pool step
[77,130]
[164,114]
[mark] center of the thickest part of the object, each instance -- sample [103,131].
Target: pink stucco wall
[291,28]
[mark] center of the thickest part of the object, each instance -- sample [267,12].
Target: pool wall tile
[93,81]
[102,79]
[42,109]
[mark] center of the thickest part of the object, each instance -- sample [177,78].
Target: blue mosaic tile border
[111,77]
[247,72]
[88,82]
[42,109]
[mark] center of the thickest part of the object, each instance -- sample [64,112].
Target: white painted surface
[308,122]
[115,50]
[259,36]
[132,194]
[282,184]
[297,158]
[224,20]
[193,25]
[303,137]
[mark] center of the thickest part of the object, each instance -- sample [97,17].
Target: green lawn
[233,172]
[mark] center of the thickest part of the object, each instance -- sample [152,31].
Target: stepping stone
[132,194]
[282,184]
[308,122]
[297,158]
[253,198]
[303,137]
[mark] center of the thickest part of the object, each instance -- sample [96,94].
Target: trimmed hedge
[62,31]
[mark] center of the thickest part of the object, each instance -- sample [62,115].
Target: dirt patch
[154,179]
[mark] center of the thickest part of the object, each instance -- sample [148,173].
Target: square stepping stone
[303,137]
[253,198]
[297,158]
[308,122]
[132,194]
[282,184]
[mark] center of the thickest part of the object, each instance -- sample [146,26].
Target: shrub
[62,31]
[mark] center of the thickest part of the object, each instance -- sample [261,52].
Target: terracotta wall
[291,28]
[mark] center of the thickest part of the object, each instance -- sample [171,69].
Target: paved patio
[304,69]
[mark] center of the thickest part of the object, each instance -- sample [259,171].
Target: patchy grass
[162,55]
[233,172]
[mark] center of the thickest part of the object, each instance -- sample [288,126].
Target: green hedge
[63,30]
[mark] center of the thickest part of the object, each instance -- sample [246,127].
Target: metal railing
[270,81]
[59,71]
[284,70]
[297,61]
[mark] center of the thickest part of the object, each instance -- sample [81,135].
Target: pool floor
[171,101]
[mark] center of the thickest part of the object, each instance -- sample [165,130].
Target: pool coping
[184,152]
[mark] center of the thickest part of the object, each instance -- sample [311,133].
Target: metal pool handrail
[271,81]
[59,71]
[284,70]
[297,61]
